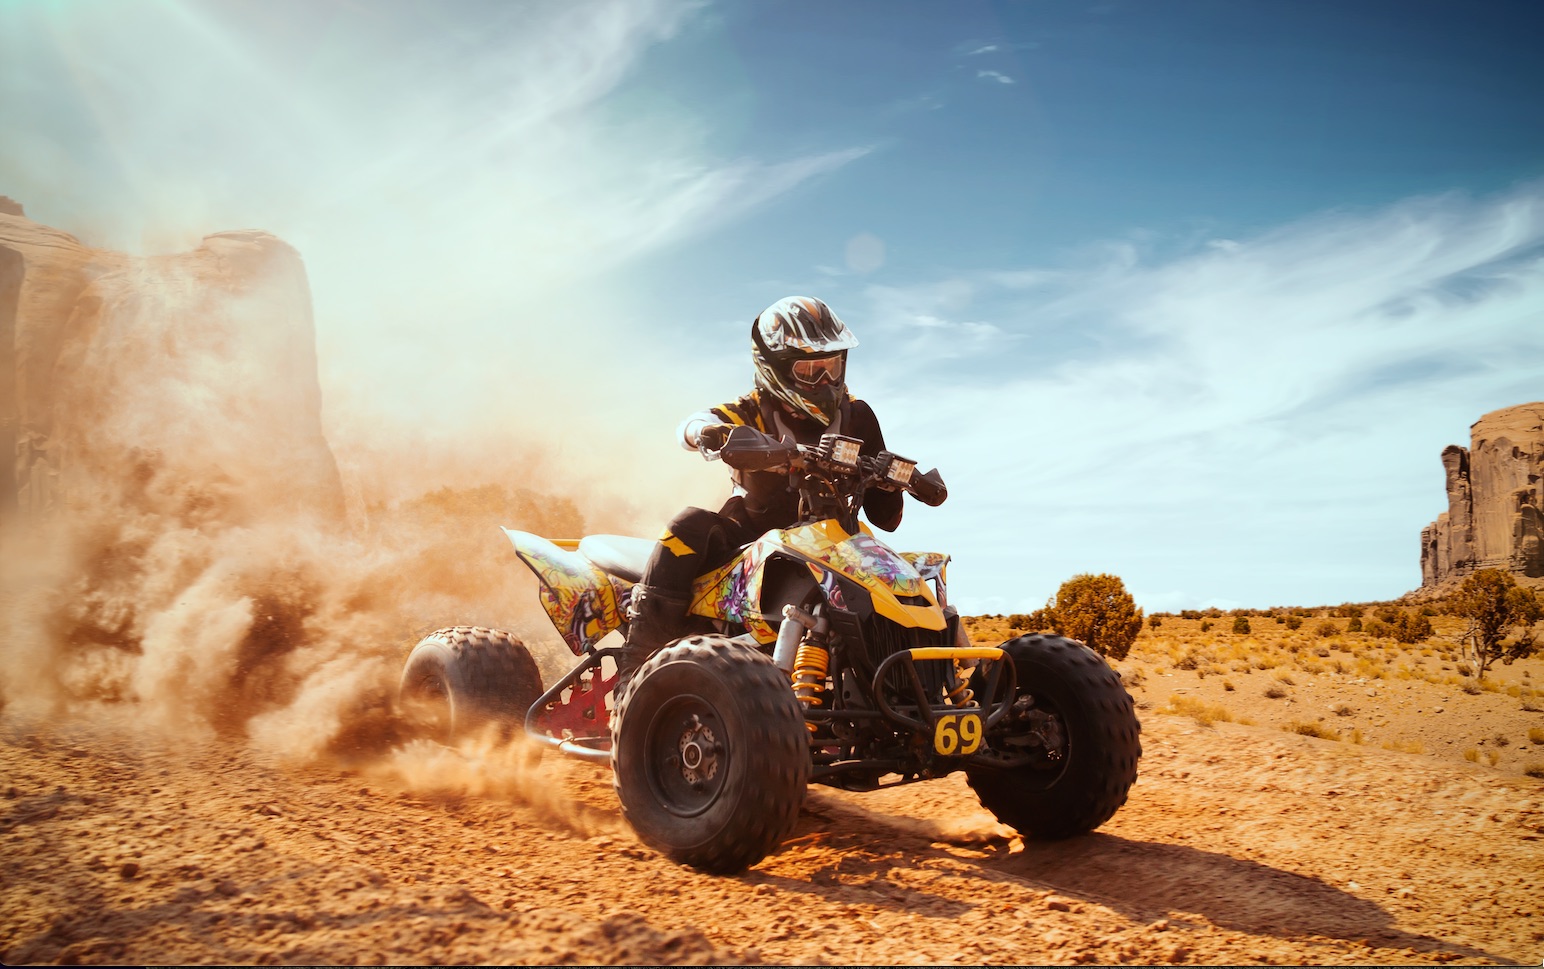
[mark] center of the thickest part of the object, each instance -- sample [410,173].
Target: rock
[1495,490]
[166,383]
[129,869]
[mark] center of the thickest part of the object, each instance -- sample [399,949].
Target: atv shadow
[1145,881]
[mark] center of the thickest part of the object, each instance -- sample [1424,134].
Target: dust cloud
[203,563]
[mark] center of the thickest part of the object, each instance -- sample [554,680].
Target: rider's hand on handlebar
[711,437]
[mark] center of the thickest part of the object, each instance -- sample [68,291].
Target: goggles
[821,370]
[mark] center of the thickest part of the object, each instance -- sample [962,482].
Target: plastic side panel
[731,592]
[579,598]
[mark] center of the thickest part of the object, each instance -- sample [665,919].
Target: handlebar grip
[929,488]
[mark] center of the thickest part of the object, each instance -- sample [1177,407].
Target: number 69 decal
[957,733]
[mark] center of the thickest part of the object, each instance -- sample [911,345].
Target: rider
[799,348]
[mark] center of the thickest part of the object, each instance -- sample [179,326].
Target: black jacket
[768,502]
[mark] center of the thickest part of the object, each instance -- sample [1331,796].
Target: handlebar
[835,458]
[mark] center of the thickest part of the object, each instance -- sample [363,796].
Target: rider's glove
[711,437]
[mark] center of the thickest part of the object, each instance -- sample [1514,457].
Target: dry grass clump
[1309,729]
[1534,769]
[1275,691]
[1200,711]
[1535,734]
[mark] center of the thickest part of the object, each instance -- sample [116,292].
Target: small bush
[1293,621]
[1154,621]
[1275,691]
[1241,625]
[1311,730]
[1097,610]
[1534,769]
[1326,629]
[1198,710]
[1412,629]
[1355,625]
[1228,685]
[1205,625]
[1535,734]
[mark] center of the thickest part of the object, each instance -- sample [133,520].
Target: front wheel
[465,679]
[1062,762]
[709,754]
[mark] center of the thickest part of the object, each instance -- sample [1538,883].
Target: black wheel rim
[1049,757]
[685,755]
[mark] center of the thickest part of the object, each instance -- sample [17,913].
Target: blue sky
[1191,292]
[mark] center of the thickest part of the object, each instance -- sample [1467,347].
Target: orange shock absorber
[809,673]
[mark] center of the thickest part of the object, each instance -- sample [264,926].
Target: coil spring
[960,694]
[809,673]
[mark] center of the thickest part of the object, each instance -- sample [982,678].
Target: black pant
[697,541]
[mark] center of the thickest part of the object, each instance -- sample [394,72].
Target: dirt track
[1239,845]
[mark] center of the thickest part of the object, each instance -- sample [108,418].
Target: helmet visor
[819,370]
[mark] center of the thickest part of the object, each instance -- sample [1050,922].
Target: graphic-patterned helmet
[800,351]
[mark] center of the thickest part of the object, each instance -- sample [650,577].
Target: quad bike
[818,655]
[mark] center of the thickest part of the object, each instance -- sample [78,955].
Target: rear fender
[583,602]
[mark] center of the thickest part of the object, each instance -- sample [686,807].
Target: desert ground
[1303,836]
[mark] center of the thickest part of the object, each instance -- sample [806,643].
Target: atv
[817,654]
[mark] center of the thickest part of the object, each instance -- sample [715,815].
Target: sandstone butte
[188,381]
[1495,493]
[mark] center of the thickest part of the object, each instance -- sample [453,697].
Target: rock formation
[1495,490]
[188,381]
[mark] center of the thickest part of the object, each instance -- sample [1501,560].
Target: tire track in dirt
[1239,845]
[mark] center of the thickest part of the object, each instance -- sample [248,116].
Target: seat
[618,555]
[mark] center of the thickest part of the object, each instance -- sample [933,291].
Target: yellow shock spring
[961,694]
[809,673]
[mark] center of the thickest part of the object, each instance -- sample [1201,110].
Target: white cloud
[984,49]
[453,182]
[1259,422]
[997,76]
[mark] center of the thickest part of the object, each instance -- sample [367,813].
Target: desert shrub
[1311,730]
[1199,710]
[1098,611]
[1275,691]
[1472,755]
[1355,625]
[1500,618]
[1293,621]
[1347,610]
[1501,740]
[1342,710]
[1241,625]
[1154,621]
[1410,628]
[1534,769]
[1205,625]
[1326,629]
[1228,685]
[1376,628]
[1428,611]
[1536,735]
[1386,614]
[1212,612]
[1190,614]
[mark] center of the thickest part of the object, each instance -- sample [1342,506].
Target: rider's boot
[655,617]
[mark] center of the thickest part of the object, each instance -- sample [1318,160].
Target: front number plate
[957,734]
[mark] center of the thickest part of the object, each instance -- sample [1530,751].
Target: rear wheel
[466,679]
[709,754]
[1063,761]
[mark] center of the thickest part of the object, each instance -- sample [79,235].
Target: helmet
[800,354]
